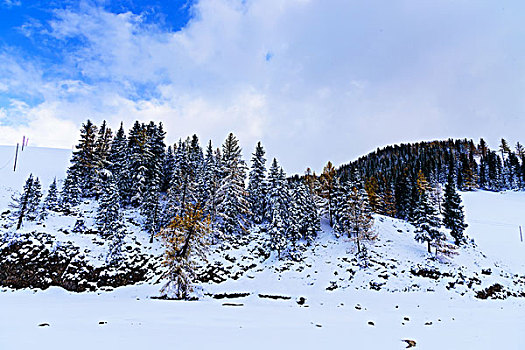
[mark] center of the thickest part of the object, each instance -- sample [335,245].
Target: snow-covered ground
[44,163]
[345,306]
[494,221]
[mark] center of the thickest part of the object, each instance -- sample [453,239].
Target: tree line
[189,195]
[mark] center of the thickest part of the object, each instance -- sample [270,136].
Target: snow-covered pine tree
[311,222]
[426,217]
[183,188]
[232,203]
[118,163]
[340,205]
[109,217]
[139,157]
[35,199]
[185,240]
[303,216]
[169,165]
[71,193]
[278,209]
[101,154]
[360,220]
[84,162]
[196,160]
[51,202]
[211,183]
[25,204]
[115,256]
[257,185]
[157,149]
[453,216]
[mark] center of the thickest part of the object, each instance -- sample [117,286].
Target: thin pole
[521,235]
[23,142]
[16,157]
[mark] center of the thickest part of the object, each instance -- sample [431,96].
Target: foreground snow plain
[348,316]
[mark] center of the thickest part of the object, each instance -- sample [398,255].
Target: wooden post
[521,234]
[16,157]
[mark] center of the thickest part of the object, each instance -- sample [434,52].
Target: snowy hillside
[45,163]
[326,299]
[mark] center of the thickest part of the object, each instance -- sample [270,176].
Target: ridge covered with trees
[189,196]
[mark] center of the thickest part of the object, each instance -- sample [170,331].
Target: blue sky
[313,80]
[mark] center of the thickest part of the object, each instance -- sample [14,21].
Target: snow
[44,163]
[329,319]
[494,220]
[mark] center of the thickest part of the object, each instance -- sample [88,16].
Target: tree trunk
[428,244]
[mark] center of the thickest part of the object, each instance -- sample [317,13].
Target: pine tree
[388,200]
[71,191]
[101,154]
[453,216]
[140,155]
[257,185]
[109,218]
[24,205]
[184,240]
[35,197]
[84,161]
[115,255]
[183,189]
[169,165]
[359,220]
[232,203]
[118,163]
[304,221]
[426,217]
[372,190]
[327,186]
[278,203]
[51,202]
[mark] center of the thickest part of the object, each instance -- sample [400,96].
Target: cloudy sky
[313,80]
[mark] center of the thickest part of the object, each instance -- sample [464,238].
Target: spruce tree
[109,218]
[51,202]
[359,221]
[257,185]
[327,180]
[23,204]
[71,192]
[278,211]
[426,217]
[35,197]
[232,203]
[84,161]
[453,216]
[118,163]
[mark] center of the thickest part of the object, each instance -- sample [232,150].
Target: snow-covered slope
[402,294]
[494,222]
[44,163]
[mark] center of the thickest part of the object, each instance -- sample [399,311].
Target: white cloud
[342,79]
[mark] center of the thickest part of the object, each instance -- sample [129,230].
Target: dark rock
[230,295]
[274,297]
[410,343]
[301,300]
